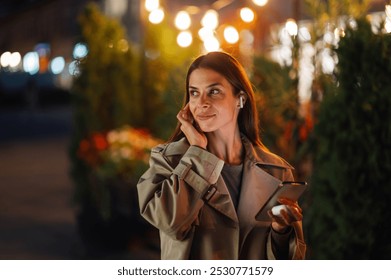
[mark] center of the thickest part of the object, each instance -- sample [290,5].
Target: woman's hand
[289,214]
[188,126]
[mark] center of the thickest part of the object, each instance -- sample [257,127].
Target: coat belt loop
[210,192]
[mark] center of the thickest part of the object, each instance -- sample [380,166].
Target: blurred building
[48,30]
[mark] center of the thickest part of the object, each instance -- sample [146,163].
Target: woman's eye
[193,93]
[214,91]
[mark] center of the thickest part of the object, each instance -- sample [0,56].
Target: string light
[184,39]
[231,35]
[151,5]
[156,16]
[260,2]
[247,15]
[182,20]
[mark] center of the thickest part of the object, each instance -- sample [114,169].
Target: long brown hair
[228,66]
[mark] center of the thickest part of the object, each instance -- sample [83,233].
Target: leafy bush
[350,189]
[105,93]
[277,105]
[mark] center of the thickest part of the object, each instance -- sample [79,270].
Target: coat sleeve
[170,197]
[290,245]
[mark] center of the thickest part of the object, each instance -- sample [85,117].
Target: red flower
[100,141]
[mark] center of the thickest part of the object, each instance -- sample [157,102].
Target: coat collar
[257,155]
[261,156]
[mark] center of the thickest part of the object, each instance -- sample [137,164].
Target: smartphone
[286,189]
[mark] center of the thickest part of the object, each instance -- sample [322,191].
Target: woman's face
[212,101]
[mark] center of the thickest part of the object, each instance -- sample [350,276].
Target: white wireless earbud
[241,102]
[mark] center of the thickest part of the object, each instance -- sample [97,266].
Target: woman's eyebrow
[214,84]
[209,86]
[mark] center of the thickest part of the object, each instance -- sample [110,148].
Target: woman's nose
[203,101]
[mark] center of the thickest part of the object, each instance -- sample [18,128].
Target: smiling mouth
[204,117]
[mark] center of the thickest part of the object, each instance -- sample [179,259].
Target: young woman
[204,187]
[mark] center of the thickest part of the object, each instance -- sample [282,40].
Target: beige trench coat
[183,195]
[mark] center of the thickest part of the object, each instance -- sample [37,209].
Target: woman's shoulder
[269,158]
[261,155]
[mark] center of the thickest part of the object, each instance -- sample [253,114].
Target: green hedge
[349,212]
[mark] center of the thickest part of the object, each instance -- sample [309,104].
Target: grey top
[232,175]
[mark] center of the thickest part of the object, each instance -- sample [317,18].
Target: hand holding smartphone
[286,189]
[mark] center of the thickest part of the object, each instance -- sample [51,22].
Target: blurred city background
[88,87]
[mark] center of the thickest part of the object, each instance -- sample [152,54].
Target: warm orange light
[246,14]
[184,39]
[260,2]
[182,20]
[231,35]
[156,16]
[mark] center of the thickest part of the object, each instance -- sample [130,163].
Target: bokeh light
[260,2]
[31,63]
[182,20]
[247,15]
[212,44]
[80,51]
[210,19]
[73,68]
[5,59]
[231,35]
[291,27]
[156,16]
[57,65]
[184,39]
[205,33]
[304,34]
[15,59]
[151,5]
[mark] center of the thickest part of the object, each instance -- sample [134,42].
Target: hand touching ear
[188,126]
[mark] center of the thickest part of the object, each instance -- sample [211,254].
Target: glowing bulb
[31,62]
[184,39]
[80,50]
[156,16]
[291,27]
[182,20]
[151,5]
[15,59]
[210,19]
[57,65]
[211,44]
[247,15]
[205,33]
[5,59]
[260,2]
[231,35]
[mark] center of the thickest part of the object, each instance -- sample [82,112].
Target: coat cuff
[199,168]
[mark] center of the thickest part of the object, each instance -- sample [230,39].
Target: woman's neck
[227,147]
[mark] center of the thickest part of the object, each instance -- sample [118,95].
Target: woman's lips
[205,117]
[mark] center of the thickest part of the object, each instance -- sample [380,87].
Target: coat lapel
[222,201]
[257,187]
[257,184]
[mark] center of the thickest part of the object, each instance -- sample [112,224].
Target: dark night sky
[9,7]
